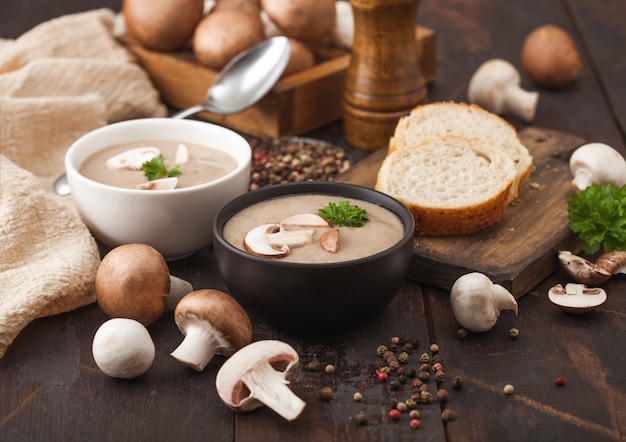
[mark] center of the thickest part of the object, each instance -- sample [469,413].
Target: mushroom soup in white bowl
[176,221]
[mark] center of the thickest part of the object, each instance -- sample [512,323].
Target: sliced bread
[465,120]
[452,185]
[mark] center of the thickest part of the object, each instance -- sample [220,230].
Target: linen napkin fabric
[58,81]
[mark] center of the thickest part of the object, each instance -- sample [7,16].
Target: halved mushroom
[582,270]
[613,262]
[160,184]
[272,240]
[259,374]
[133,158]
[576,298]
[213,323]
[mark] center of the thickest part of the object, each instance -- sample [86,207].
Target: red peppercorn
[415,424]
[560,380]
[381,375]
[437,366]
[394,414]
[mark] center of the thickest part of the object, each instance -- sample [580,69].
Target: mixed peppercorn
[294,159]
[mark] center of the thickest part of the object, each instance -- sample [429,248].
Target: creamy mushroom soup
[383,229]
[205,164]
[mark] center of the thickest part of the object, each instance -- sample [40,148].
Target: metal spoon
[245,79]
[240,84]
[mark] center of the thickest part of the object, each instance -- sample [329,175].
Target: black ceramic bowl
[314,298]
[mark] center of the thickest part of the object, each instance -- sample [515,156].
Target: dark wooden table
[51,389]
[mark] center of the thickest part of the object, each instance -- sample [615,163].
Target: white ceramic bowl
[176,222]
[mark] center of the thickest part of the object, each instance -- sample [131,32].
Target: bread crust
[420,118]
[485,203]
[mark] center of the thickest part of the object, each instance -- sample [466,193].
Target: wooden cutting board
[521,249]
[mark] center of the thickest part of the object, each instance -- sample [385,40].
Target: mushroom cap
[133,281]
[476,301]
[597,163]
[123,348]
[280,355]
[225,316]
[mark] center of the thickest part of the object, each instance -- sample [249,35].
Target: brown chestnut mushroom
[222,35]
[133,281]
[163,25]
[213,323]
[613,262]
[259,374]
[550,58]
[302,19]
[582,270]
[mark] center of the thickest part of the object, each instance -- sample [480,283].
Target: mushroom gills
[264,385]
[581,269]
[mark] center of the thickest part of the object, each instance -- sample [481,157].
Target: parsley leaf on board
[598,215]
[155,169]
[344,214]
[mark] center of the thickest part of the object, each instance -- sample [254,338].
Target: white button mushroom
[597,163]
[133,281]
[477,302]
[259,374]
[123,348]
[496,86]
[213,323]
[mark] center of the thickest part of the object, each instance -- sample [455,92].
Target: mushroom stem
[520,102]
[178,288]
[267,386]
[503,299]
[199,346]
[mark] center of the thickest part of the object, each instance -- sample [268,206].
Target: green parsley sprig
[344,214]
[155,169]
[598,215]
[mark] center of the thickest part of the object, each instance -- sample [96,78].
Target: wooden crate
[297,104]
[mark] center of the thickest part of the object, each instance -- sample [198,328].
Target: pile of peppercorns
[393,369]
[294,159]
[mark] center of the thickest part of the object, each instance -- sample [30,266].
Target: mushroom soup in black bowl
[302,269]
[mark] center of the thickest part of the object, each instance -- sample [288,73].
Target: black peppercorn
[327,393]
[361,419]
[457,382]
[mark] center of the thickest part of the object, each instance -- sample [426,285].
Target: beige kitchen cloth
[58,81]
[62,79]
[48,258]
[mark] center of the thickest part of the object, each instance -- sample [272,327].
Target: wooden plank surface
[50,388]
[520,250]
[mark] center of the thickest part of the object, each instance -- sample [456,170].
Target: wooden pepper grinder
[384,80]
